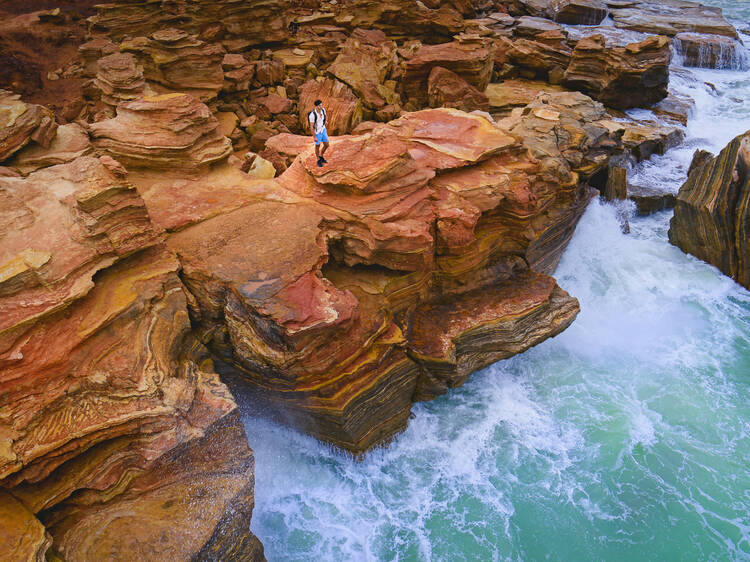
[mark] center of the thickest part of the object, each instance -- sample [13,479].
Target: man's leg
[325,147]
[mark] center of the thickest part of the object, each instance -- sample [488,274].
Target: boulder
[162,132]
[509,94]
[470,58]
[670,17]
[238,72]
[616,187]
[452,340]
[366,63]
[343,108]
[644,138]
[23,537]
[710,51]
[580,12]
[567,127]
[649,200]
[70,142]
[448,89]
[90,52]
[620,77]
[675,107]
[541,56]
[712,215]
[577,12]
[22,123]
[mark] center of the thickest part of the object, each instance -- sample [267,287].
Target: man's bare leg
[325,147]
[317,151]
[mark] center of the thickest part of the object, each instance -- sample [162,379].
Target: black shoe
[320,162]
[324,160]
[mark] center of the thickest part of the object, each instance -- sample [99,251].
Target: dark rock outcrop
[712,214]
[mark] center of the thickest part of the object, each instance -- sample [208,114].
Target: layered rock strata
[712,213]
[117,436]
[319,317]
[22,123]
[177,61]
[167,131]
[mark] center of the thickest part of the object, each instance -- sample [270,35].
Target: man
[318,120]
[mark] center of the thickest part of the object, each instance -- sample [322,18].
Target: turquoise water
[627,437]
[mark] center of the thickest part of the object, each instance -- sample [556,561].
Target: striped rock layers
[712,214]
[117,440]
[326,289]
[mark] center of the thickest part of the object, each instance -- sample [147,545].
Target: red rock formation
[70,142]
[468,57]
[112,409]
[544,54]
[366,64]
[318,317]
[238,73]
[254,22]
[175,61]
[712,214]
[620,77]
[166,131]
[448,89]
[343,108]
[119,78]
[22,123]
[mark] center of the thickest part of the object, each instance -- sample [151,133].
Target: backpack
[315,117]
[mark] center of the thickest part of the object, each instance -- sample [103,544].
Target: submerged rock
[710,51]
[648,200]
[712,213]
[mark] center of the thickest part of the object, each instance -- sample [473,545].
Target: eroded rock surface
[318,318]
[167,130]
[117,434]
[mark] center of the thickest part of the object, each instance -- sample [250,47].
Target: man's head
[318,103]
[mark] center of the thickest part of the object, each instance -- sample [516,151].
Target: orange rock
[175,61]
[113,410]
[711,215]
[317,319]
[620,77]
[21,123]
[343,108]
[119,78]
[469,57]
[162,131]
[447,89]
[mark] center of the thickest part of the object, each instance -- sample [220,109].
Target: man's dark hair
[317,103]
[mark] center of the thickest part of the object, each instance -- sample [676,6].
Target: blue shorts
[322,136]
